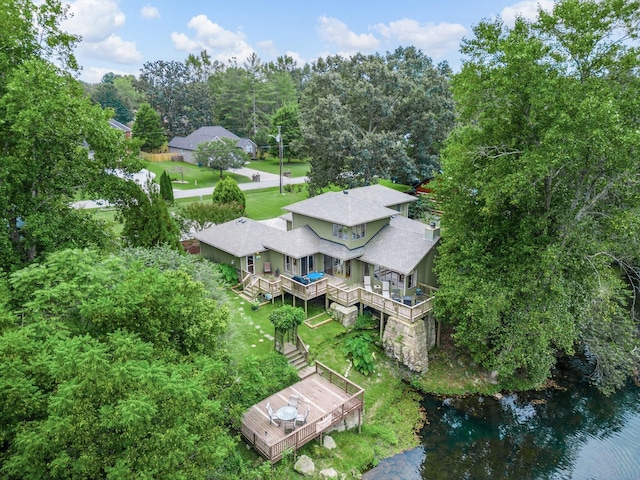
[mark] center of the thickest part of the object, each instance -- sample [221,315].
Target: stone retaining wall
[409,343]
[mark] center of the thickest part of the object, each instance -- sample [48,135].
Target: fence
[161,157]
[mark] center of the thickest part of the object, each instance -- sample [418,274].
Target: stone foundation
[409,343]
[347,316]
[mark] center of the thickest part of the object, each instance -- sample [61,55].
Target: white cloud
[434,40]
[220,43]
[267,46]
[527,9]
[113,49]
[95,20]
[95,74]
[149,12]
[337,33]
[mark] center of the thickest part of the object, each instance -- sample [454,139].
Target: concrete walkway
[267,180]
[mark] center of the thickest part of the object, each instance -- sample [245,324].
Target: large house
[186,146]
[356,248]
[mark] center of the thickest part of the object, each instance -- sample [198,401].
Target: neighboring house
[186,146]
[120,126]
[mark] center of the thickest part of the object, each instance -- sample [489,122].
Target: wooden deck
[347,296]
[330,397]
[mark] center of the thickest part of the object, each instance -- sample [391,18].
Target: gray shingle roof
[239,237]
[205,134]
[302,242]
[400,246]
[380,195]
[342,208]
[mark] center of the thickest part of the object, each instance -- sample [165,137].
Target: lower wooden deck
[330,398]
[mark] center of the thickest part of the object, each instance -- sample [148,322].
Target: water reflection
[572,433]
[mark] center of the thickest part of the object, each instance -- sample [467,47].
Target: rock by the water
[304,466]
[328,442]
[328,473]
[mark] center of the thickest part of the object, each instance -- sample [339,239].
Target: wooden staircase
[297,359]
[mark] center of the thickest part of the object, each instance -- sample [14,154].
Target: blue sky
[120,35]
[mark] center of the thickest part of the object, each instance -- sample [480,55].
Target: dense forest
[113,358]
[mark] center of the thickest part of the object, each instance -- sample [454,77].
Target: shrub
[228,273]
[358,349]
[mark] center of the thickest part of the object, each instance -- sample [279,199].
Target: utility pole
[279,139]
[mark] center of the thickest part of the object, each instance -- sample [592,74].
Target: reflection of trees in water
[522,436]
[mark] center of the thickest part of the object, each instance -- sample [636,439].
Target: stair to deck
[297,360]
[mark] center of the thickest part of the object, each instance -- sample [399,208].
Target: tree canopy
[539,193]
[220,154]
[373,116]
[55,143]
[227,191]
[148,128]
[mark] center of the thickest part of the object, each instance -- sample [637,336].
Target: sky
[119,36]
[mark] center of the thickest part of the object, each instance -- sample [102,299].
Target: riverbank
[394,416]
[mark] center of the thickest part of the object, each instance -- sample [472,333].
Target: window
[412,281]
[306,265]
[359,231]
[288,262]
[340,231]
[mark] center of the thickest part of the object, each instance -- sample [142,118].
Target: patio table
[288,416]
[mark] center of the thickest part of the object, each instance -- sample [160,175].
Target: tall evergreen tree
[148,127]
[166,188]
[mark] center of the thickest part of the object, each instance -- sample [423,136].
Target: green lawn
[268,202]
[297,168]
[195,176]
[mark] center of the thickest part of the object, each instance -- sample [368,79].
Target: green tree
[175,91]
[287,118]
[147,221]
[47,120]
[370,117]
[166,188]
[227,191]
[148,128]
[221,154]
[106,94]
[91,409]
[201,215]
[539,194]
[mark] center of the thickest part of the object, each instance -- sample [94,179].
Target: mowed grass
[298,168]
[195,176]
[268,203]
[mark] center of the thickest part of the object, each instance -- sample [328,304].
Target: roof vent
[346,192]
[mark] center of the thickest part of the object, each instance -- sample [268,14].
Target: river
[570,432]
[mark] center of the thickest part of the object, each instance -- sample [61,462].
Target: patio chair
[367,283]
[267,267]
[302,417]
[293,401]
[272,416]
[385,290]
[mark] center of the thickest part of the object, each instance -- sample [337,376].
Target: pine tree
[166,188]
[147,126]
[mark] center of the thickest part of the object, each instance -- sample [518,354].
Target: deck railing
[306,433]
[344,296]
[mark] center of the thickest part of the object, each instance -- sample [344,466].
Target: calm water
[574,433]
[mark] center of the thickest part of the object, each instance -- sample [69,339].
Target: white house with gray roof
[186,146]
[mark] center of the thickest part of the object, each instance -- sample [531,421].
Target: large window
[383,274]
[359,231]
[340,231]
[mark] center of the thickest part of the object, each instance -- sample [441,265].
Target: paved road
[266,180]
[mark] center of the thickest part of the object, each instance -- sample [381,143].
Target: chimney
[432,232]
